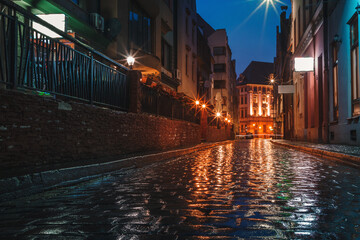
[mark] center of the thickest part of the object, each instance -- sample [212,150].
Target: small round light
[226,119]
[229,121]
[218,114]
[130,61]
[197,102]
[272,80]
[254,124]
[203,106]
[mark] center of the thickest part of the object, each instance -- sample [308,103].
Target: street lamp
[130,61]
[197,102]
[203,106]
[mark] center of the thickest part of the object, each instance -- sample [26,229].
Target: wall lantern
[130,61]
[304,64]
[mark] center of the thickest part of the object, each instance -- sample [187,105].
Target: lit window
[354,53]
[335,82]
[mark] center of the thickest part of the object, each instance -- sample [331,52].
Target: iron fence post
[92,79]
[13,72]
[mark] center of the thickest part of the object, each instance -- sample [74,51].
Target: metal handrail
[33,17]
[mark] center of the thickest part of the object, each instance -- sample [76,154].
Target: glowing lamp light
[57,20]
[304,64]
[226,119]
[229,121]
[203,106]
[272,80]
[130,61]
[218,114]
[259,127]
[197,102]
[254,124]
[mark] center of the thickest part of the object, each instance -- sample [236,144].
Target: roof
[256,73]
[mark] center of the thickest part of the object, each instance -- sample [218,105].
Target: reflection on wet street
[248,189]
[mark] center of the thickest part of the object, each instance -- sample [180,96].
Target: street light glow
[203,106]
[130,61]
[218,114]
[197,102]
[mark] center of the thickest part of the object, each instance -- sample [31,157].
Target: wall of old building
[340,129]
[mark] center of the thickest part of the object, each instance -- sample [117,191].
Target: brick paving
[249,189]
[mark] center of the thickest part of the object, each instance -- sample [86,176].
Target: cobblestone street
[248,189]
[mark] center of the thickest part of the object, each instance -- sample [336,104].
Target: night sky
[249,38]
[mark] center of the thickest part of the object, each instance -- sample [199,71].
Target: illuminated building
[256,100]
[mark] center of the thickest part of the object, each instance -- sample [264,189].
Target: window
[335,82]
[245,112]
[166,55]
[354,53]
[140,28]
[245,99]
[242,101]
[219,84]
[220,67]
[242,113]
[219,51]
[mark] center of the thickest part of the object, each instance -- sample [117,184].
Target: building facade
[284,113]
[256,100]
[223,84]
[309,30]
[326,102]
[186,59]
[344,82]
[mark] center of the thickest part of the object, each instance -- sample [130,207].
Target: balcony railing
[159,103]
[66,67]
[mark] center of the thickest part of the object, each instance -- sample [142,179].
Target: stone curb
[350,160]
[20,186]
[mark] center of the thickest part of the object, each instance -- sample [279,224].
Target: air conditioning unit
[97,21]
[177,74]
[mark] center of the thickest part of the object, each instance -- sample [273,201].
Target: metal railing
[67,67]
[156,102]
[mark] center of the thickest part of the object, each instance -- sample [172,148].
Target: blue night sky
[249,38]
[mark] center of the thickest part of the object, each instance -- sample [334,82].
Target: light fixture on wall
[130,61]
[357,8]
[337,38]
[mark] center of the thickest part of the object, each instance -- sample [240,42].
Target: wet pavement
[345,149]
[249,189]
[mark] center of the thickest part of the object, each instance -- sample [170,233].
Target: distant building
[224,84]
[256,100]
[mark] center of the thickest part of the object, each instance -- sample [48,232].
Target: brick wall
[36,131]
[214,134]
